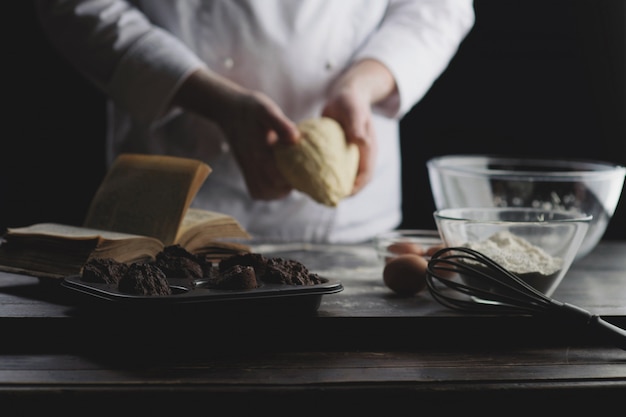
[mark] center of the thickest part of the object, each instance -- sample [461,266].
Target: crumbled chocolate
[255,260]
[237,277]
[144,279]
[288,271]
[273,270]
[103,270]
[176,262]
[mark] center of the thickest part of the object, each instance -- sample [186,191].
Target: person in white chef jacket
[224,80]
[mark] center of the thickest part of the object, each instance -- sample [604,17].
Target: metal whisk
[487,287]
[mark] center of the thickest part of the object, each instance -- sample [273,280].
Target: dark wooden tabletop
[362,348]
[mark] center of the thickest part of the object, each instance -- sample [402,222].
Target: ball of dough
[322,164]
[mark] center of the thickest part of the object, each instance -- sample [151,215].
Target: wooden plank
[441,366]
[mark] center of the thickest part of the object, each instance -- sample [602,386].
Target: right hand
[255,125]
[252,123]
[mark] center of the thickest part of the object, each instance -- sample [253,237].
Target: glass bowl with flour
[537,245]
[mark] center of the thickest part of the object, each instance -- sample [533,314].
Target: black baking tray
[191,293]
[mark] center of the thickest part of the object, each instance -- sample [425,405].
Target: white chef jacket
[139,52]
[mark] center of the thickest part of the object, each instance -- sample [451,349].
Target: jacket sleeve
[137,64]
[416,40]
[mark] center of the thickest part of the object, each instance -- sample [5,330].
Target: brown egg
[401,248]
[405,274]
[433,249]
[406,247]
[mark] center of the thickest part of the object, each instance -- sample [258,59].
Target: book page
[67,232]
[146,195]
[195,216]
[202,227]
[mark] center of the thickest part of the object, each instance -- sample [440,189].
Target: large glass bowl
[577,186]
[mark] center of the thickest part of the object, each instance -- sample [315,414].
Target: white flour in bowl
[530,263]
[517,255]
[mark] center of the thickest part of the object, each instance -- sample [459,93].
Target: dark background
[533,78]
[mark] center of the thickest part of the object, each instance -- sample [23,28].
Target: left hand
[350,103]
[352,110]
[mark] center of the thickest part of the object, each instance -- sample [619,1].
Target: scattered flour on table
[516,254]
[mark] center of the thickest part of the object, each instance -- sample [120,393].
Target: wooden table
[364,350]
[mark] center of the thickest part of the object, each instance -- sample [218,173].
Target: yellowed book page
[146,195]
[201,227]
[133,249]
[67,232]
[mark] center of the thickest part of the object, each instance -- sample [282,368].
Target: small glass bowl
[531,240]
[421,242]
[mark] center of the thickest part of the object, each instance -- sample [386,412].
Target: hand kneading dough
[322,164]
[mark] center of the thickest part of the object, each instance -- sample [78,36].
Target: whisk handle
[612,332]
[616,334]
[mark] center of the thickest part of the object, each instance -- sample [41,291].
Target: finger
[280,127]
[367,158]
[363,175]
[265,181]
[286,132]
[283,132]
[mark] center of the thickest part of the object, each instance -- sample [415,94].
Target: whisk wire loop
[491,288]
[482,278]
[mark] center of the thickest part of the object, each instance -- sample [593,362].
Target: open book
[141,206]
